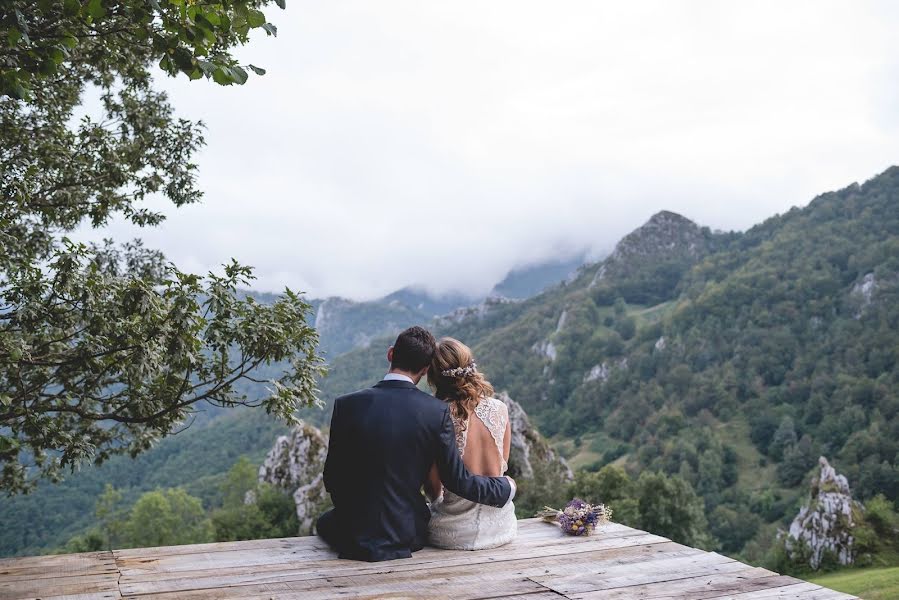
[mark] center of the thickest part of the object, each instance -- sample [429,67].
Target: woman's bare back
[484,452]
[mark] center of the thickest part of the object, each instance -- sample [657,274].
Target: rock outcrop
[825,525]
[666,235]
[295,464]
[296,461]
[530,452]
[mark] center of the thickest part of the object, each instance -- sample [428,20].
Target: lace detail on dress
[493,415]
[461,428]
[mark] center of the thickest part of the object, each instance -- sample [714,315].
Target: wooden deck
[542,564]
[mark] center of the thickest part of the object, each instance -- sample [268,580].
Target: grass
[875,583]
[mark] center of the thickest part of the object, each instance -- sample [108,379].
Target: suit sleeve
[493,491]
[334,467]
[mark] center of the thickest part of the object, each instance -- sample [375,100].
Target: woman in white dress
[483,436]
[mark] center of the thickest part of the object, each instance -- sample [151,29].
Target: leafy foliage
[253,510]
[197,460]
[45,39]
[104,349]
[655,502]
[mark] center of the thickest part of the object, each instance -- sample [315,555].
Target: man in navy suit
[383,442]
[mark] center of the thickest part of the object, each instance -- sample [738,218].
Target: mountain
[529,281]
[345,324]
[429,304]
[730,359]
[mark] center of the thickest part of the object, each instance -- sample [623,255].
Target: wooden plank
[602,577]
[696,588]
[563,563]
[527,529]
[237,559]
[105,586]
[264,558]
[801,590]
[86,596]
[60,565]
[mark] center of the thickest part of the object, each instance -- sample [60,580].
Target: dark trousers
[331,529]
[328,528]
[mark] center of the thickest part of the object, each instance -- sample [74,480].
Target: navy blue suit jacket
[383,442]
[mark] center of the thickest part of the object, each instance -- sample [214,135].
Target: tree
[111,516]
[253,510]
[241,478]
[166,518]
[104,349]
[612,486]
[43,39]
[783,438]
[669,506]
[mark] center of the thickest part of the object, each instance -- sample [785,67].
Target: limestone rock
[546,349]
[602,371]
[529,449]
[862,294]
[295,464]
[826,523]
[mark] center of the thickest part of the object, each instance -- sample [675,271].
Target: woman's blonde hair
[455,379]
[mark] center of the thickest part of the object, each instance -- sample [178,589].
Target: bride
[483,436]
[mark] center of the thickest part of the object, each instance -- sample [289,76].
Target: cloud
[442,144]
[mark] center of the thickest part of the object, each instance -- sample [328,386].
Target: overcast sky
[443,143]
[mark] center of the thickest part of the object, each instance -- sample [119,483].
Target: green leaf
[95,9]
[240,76]
[270,29]
[255,18]
[257,70]
[69,41]
[213,17]
[13,36]
[206,67]
[281,3]
[223,76]
[56,55]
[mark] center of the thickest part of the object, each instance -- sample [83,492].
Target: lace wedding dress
[459,524]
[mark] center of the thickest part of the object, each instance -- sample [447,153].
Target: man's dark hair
[413,350]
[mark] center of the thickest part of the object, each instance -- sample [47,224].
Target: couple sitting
[389,441]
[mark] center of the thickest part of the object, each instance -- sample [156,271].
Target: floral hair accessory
[471,369]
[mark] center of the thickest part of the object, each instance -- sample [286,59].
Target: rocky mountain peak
[664,236]
[664,233]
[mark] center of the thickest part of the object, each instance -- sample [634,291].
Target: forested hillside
[732,360]
[196,459]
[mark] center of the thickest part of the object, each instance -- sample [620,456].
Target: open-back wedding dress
[459,524]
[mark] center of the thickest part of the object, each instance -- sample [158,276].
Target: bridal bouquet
[578,517]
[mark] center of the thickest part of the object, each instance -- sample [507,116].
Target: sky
[441,144]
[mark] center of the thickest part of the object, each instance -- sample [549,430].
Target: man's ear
[390,355]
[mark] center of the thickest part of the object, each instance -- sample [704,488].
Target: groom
[383,442]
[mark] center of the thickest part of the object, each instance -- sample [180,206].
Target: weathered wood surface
[617,563]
